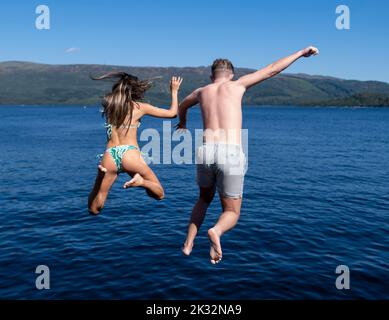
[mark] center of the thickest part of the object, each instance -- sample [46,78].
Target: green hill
[32,83]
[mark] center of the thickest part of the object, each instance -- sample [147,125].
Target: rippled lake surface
[316,196]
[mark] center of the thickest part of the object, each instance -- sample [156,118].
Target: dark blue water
[316,196]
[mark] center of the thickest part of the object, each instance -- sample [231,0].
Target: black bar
[217,309]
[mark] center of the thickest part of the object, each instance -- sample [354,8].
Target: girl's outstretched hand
[175,83]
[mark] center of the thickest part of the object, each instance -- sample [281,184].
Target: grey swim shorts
[221,166]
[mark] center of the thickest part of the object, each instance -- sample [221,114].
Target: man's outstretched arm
[187,103]
[275,68]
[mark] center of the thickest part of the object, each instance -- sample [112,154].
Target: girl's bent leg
[142,175]
[99,193]
[152,187]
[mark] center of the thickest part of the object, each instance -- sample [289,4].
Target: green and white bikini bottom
[117,154]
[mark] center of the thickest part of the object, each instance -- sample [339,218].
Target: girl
[123,111]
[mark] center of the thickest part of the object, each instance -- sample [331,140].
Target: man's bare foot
[102,169]
[187,248]
[136,181]
[215,251]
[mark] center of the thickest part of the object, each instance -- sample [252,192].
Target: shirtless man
[221,153]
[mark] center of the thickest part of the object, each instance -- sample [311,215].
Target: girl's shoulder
[143,107]
[141,104]
[139,110]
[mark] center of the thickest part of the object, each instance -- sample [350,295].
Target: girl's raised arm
[175,83]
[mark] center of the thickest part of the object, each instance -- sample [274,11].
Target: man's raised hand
[310,51]
[180,127]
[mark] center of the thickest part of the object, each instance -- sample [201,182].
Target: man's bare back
[221,109]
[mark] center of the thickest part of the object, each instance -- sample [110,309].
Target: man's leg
[227,220]
[197,217]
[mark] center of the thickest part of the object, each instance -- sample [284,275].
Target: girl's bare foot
[215,251]
[102,169]
[187,248]
[136,181]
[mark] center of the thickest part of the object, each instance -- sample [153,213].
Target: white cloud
[71,50]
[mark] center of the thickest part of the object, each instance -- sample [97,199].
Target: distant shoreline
[25,83]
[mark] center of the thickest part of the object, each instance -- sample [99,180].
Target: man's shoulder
[198,90]
[206,87]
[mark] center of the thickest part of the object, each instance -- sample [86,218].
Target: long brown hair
[118,103]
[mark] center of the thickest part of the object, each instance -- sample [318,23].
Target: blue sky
[252,33]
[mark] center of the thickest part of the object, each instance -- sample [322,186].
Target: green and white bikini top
[108,126]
